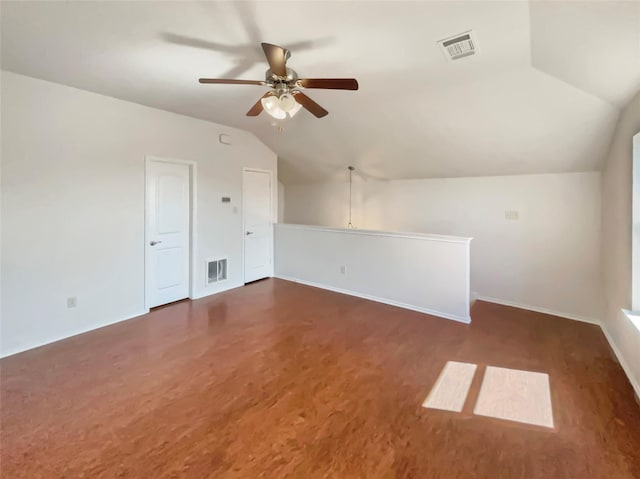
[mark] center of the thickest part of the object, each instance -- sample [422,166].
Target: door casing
[271,215]
[193,170]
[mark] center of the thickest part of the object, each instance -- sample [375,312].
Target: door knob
[249,233]
[153,243]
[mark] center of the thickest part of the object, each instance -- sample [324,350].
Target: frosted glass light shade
[295,109]
[287,102]
[279,108]
[271,105]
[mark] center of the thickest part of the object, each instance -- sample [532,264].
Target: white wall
[616,236]
[73,205]
[426,273]
[280,202]
[548,259]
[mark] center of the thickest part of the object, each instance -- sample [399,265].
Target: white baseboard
[216,291]
[390,302]
[625,367]
[55,339]
[551,312]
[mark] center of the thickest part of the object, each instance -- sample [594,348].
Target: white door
[168,195]
[258,228]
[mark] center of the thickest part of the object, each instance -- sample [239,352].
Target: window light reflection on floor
[450,390]
[507,394]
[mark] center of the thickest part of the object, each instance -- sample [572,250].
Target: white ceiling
[543,94]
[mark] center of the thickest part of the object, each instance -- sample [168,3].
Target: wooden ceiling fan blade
[277,58]
[329,83]
[225,81]
[257,108]
[310,105]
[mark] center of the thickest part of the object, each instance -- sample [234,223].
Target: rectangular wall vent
[216,270]
[459,46]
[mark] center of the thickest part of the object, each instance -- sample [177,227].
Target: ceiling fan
[286,98]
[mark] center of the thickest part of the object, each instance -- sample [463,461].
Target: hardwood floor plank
[277,380]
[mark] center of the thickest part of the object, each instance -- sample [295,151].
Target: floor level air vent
[459,46]
[216,270]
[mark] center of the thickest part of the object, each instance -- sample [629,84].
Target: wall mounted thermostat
[226,199]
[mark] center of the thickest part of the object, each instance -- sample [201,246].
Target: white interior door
[168,193]
[258,227]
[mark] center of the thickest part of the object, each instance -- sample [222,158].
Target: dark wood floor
[281,380]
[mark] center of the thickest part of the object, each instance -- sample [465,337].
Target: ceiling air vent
[459,46]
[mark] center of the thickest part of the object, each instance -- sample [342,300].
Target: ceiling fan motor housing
[274,80]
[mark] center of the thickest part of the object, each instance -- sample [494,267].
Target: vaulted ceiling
[542,95]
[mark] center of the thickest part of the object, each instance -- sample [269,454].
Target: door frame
[271,217]
[193,175]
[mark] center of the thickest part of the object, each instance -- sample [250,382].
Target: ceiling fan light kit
[280,108]
[286,98]
[271,104]
[287,102]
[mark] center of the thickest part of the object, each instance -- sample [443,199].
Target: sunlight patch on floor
[514,395]
[451,388]
[507,394]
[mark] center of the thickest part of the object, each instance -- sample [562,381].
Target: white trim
[612,344]
[420,236]
[204,294]
[635,225]
[193,220]
[633,317]
[537,309]
[377,299]
[4,354]
[468,282]
[625,367]
[273,217]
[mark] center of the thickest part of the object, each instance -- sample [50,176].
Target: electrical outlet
[343,270]
[72,302]
[511,215]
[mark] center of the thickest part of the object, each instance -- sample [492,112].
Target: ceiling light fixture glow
[280,108]
[295,109]
[287,102]
[271,105]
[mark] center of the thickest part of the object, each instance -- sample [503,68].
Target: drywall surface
[426,273]
[548,258]
[616,236]
[280,202]
[73,166]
